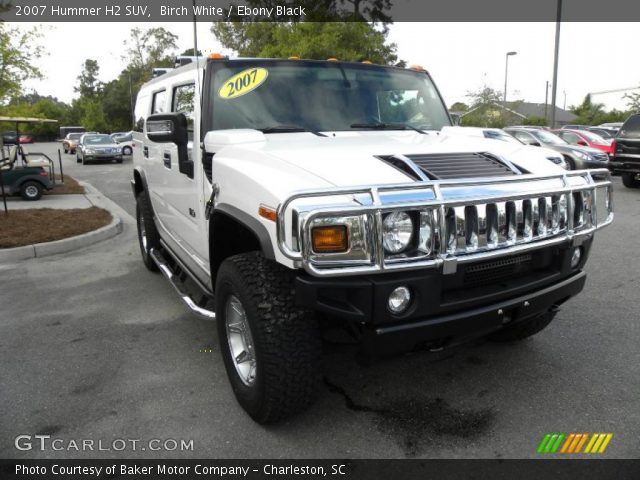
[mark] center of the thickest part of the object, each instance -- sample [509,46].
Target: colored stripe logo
[572,443]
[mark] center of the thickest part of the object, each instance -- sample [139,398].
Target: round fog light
[399,300]
[576,256]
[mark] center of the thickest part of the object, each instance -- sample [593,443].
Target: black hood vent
[442,166]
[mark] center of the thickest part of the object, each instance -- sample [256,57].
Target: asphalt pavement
[95,347]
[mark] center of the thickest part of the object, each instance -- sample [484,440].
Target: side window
[159,102]
[183,102]
[571,138]
[524,137]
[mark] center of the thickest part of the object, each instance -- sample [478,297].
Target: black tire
[523,329]
[31,190]
[127,151]
[66,150]
[570,163]
[629,180]
[286,338]
[146,231]
[119,160]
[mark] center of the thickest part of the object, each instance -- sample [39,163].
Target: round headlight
[397,230]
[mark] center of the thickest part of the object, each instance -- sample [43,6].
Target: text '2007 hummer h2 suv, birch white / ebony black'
[288,197]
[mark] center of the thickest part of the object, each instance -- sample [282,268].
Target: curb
[72,243]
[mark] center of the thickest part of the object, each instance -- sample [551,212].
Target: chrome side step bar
[180,287]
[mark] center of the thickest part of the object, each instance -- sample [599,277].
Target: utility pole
[133,118]
[546,102]
[554,91]
[506,72]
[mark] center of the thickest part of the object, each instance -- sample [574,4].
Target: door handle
[145,152]
[167,159]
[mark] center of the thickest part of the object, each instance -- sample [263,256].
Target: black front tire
[629,180]
[127,151]
[523,329]
[148,236]
[571,164]
[286,338]
[31,190]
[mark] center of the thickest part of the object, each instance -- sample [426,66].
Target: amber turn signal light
[330,239]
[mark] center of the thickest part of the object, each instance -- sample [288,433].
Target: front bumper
[103,156]
[448,308]
[624,165]
[452,329]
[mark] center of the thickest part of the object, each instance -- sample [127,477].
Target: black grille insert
[487,273]
[461,165]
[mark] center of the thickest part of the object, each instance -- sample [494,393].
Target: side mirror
[172,128]
[583,143]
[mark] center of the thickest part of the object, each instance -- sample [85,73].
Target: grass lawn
[26,227]
[71,185]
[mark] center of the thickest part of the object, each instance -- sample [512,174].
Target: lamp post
[555,64]
[506,71]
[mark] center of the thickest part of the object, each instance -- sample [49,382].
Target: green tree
[89,85]
[117,102]
[350,41]
[484,96]
[587,112]
[189,52]
[151,48]
[459,107]
[633,101]
[19,49]
[93,117]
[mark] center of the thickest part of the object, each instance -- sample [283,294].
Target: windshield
[322,96]
[75,136]
[631,127]
[98,140]
[500,135]
[548,138]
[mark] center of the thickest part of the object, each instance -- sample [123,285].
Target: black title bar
[312,10]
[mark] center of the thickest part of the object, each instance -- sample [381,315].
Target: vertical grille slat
[479,227]
[492,225]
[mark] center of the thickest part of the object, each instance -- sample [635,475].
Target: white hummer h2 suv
[287,197]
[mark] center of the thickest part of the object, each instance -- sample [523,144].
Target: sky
[461,57]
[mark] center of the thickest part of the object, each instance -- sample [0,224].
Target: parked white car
[125,140]
[499,134]
[286,197]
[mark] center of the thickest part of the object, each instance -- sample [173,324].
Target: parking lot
[94,346]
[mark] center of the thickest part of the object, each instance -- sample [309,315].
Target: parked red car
[26,138]
[585,138]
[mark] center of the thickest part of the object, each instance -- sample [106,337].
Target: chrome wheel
[31,191]
[241,345]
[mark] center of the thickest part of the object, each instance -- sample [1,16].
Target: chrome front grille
[487,226]
[469,221]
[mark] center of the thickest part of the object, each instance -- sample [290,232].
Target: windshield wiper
[289,129]
[388,126]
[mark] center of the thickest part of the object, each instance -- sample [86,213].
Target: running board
[179,285]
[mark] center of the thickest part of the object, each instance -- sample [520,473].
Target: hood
[352,158]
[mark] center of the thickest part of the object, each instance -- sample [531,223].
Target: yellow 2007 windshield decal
[243,82]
